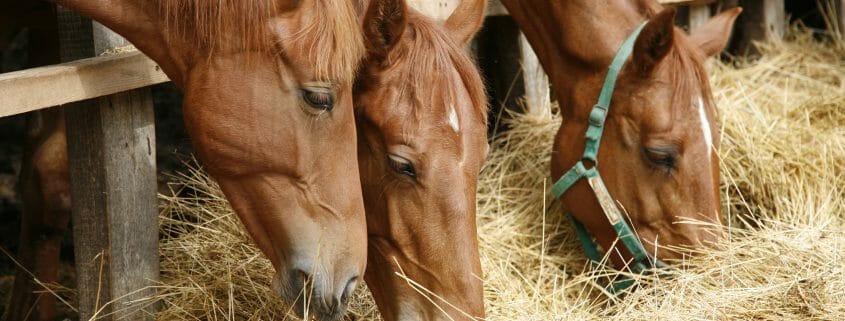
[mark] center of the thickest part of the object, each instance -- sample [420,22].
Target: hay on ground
[783,182]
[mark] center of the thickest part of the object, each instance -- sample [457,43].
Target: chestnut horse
[421,112]
[658,153]
[268,105]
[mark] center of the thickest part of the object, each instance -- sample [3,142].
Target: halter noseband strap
[642,261]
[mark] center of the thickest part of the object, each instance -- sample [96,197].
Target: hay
[783,170]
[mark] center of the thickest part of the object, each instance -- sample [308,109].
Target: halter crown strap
[598,115]
[595,129]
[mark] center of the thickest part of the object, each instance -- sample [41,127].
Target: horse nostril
[350,287]
[299,279]
[333,305]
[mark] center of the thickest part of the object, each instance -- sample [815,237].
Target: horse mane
[433,52]
[332,36]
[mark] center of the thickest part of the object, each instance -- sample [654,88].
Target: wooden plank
[439,10]
[840,17]
[537,93]
[111,154]
[496,8]
[686,2]
[44,87]
[761,20]
[698,15]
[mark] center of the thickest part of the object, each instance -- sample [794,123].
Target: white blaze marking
[453,119]
[705,126]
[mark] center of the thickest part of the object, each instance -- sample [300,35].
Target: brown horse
[268,104]
[658,155]
[421,111]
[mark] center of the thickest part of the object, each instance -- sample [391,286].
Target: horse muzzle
[313,295]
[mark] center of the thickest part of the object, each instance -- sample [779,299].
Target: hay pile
[783,153]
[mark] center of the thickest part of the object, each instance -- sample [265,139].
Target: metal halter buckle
[598,115]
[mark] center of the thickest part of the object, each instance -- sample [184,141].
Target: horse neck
[577,41]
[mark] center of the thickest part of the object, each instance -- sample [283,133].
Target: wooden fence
[111,142]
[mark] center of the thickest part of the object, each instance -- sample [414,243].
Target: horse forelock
[331,36]
[685,62]
[203,23]
[687,72]
[334,40]
[426,56]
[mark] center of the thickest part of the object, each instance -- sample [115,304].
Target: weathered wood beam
[761,20]
[37,88]
[840,17]
[111,155]
[697,16]
[686,2]
[534,78]
[496,8]
[441,9]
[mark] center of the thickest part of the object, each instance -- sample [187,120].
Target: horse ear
[384,23]
[654,42]
[466,20]
[713,36]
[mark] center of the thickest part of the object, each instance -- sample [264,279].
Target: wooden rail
[686,2]
[38,88]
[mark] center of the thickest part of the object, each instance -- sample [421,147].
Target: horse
[421,107]
[658,159]
[268,105]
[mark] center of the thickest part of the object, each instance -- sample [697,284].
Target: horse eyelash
[396,166]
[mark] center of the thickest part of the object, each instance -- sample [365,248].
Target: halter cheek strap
[642,261]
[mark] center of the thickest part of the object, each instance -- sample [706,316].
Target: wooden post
[840,17]
[439,10]
[691,13]
[111,153]
[537,93]
[698,15]
[761,20]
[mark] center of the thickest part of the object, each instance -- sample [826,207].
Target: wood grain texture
[44,87]
[111,153]
[840,17]
[698,15]
[496,8]
[439,10]
[760,20]
[537,92]
[686,2]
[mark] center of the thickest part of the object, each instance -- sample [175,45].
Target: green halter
[642,261]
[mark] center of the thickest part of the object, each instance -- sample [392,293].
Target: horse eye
[663,158]
[320,99]
[402,166]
